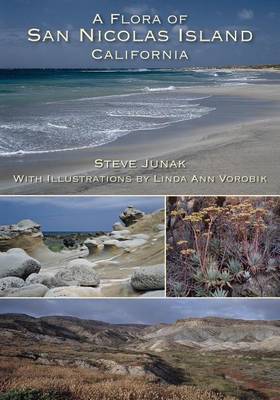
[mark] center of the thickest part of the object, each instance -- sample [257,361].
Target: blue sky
[146,311]
[16,16]
[72,213]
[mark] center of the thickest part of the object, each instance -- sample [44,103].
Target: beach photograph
[73,124]
[82,247]
[223,246]
[114,349]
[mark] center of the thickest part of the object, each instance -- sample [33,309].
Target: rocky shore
[129,261]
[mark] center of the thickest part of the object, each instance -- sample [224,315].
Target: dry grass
[85,384]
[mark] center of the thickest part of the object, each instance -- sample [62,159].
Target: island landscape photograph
[139,349]
[82,247]
[213,118]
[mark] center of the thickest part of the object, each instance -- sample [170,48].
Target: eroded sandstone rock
[73,291]
[131,215]
[80,273]
[16,262]
[42,278]
[118,226]
[93,245]
[26,234]
[9,283]
[36,290]
[149,278]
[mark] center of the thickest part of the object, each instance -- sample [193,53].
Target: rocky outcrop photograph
[69,255]
[142,349]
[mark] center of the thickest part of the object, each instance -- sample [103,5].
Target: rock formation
[9,283]
[149,278]
[94,245]
[46,279]
[32,290]
[118,226]
[26,235]
[131,215]
[78,273]
[16,262]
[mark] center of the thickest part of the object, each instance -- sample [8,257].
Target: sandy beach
[239,139]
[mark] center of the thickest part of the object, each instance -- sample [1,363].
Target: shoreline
[261,68]
[236,69]
[227,141]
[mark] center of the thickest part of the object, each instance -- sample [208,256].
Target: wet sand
[240,138]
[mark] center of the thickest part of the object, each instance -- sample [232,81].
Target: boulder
[160,227]
[10,282]
[73,291]
[36,290]
[16,262]
[131,215]
[149,278]
[44,279]
[78,274]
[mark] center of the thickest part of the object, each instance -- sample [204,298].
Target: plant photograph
[223,246]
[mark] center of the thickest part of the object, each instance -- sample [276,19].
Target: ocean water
[59,110]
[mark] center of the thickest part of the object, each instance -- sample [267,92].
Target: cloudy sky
[17,16]
[72,213]
[145,311]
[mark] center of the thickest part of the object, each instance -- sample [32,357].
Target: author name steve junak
[133,164]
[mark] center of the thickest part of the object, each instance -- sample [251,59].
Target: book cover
[139,200]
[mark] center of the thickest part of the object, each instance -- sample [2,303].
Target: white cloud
[175,28]
[12,35]
[88,202]
[246,14]
[271,15]
[141,29]
[135,311]
[136,10]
